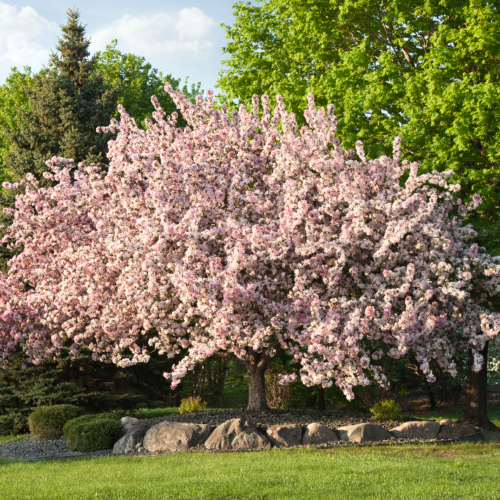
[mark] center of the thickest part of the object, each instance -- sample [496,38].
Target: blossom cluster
[241,233]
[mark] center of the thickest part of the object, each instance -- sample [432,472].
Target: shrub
[48,421]
[84,419]
[93,432]
[192,405]
[387,410]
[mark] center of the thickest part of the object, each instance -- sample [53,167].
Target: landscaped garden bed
[239,430]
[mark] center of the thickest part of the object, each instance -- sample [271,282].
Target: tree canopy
[425,70]
[136,81]
[241,237]
[12,98]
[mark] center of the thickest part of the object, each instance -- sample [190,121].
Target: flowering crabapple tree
[239,236]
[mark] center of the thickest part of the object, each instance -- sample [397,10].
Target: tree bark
[256,365]
[432,397]
[476,395]
[321,399]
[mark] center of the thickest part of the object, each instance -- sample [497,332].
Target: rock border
[240,434]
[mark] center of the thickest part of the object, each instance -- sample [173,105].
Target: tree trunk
[432,397]
[256,365]
[321,399]
[476,395]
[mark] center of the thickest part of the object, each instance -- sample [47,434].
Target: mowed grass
[452,471]
[12,437]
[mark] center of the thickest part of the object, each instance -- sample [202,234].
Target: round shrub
[387,410]
[93,432]
[48,421]
[192,405]
[84,419]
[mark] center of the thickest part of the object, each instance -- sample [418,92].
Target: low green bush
[48,421]
[387,410]
[93,432]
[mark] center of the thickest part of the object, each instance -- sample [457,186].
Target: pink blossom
[241,234]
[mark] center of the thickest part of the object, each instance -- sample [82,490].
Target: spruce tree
[67,102]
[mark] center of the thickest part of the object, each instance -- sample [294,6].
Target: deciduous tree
[241,236]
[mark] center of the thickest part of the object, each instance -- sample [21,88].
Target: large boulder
[284,435]
[250,439]
[362,433]
[453,430]
[174,436]
[129,422]
[237,434]
[417,430]
[132,437]
[318,434]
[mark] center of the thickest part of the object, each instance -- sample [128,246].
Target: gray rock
[222,437]
[129,421]
[250,439]
[284,435]
[454,430]
[421,430]
[237,434]
[361,433]
[132,437]
[170,436]
[318,434]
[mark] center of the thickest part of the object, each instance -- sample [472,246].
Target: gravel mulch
[332,419]
[35,448]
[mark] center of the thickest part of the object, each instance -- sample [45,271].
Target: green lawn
[12,437]
[456,471]
[154,412]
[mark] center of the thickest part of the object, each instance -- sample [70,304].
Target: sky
[184,38]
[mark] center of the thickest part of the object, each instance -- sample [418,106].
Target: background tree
[12,98]
[136,81]
[427,71]
[67,103]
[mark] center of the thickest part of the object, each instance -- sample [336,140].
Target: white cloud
[193,23]
[21,34]
[158,34]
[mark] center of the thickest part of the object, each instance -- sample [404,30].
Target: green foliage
[12,97]
[66,103]
[387,410]
[84,419]
[136,81]
[427,71]
[192,405]
[92,432]
[92,385]
[48,421]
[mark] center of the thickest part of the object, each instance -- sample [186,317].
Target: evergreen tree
[66,103]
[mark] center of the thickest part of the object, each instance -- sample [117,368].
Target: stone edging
[239,434]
